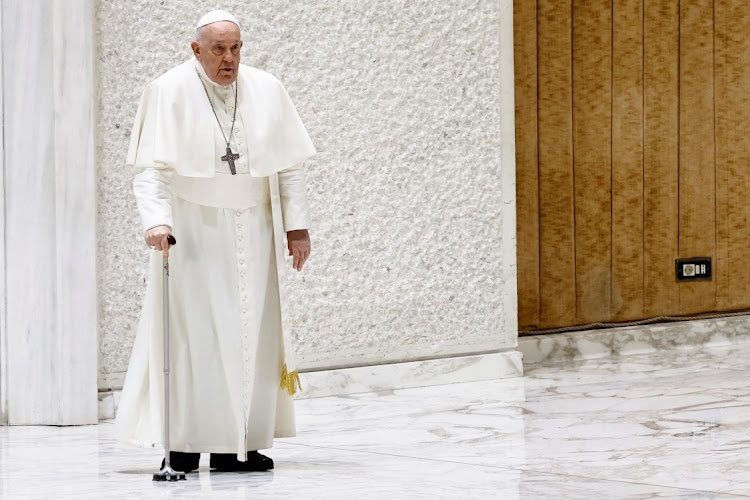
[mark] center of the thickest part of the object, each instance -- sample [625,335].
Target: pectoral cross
[230,157]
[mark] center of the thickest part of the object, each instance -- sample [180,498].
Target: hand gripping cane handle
[167,473]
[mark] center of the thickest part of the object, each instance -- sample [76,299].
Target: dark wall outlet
[694,269]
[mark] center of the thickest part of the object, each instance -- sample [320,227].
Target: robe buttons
[238,214]
[242,275]
[240,238]
[242,261]
[244,310]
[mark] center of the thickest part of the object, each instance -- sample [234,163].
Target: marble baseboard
[108,402]
[110,381]
[591,344]
[387,377]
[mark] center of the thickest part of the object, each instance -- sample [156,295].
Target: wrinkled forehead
[221,32]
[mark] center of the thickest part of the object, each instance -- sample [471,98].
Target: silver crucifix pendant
[230,157]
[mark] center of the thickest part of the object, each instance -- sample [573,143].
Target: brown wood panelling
[661,150]
[556,203]
[732,77]
[627,160]
[527,163]
[592,154]
[633,150]
[697,166]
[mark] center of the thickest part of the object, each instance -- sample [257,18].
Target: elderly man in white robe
[218,149]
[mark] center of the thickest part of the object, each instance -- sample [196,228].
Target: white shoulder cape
[174,124]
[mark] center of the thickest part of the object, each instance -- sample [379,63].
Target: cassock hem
[194,448]
[202,449]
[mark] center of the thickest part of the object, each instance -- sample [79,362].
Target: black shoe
[227,462]
[183,462]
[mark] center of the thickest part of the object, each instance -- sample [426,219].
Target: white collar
[206,79]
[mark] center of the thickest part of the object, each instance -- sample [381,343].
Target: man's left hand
[299,247]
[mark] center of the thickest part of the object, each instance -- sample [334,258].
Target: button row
[243,285]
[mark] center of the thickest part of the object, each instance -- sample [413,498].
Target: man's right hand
[156,238]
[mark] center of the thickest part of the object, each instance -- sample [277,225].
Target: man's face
[218,50]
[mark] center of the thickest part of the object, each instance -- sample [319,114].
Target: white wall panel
[410,105]
[50,212]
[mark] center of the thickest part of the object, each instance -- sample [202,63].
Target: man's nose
[228,57]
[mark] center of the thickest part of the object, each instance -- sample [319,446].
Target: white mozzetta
[50,212]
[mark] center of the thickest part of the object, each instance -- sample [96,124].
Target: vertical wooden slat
[697,166]
[592,134]
[732,261]
[527,163]
[556,202]
[627,160]
[660,156]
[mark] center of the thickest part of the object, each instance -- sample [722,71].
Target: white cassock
[232,369]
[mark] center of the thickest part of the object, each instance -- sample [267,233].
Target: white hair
[199,34]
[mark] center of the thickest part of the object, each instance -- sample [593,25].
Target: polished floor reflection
[670,424]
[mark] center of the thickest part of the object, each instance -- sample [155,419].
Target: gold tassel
[290,381]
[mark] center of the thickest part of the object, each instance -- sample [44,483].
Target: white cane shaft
[165,301]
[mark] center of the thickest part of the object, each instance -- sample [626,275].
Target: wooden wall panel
[556,202]
[527,163]
[697,165]
[637,115]
[732,77]
[627,160]
[592,154]
[661,150]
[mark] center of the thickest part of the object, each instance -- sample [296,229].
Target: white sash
[239,191]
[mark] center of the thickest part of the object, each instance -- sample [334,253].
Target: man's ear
[196,50]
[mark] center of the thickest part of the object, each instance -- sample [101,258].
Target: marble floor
[670,424]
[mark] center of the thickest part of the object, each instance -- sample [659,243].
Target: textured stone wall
[402,99]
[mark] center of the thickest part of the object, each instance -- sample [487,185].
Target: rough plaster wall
[402,99]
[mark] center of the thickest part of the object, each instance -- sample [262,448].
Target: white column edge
[508,171]
[50,316]
[75,213]
[3,322]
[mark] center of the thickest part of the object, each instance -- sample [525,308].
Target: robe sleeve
[295,209]
[152,195]
[152,166]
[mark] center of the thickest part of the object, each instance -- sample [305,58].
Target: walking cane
[167,473]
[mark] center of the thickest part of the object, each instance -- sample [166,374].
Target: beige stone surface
[403,101]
